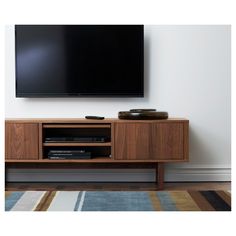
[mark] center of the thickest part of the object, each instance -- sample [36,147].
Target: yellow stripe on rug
[155,201]
[183,201]
[7,193]
[45,201]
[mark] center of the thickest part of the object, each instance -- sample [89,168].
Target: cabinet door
[132,141]
[21,141]
[168,141]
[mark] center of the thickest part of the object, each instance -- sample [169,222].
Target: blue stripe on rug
[166,201]
[117,201]
[12,199]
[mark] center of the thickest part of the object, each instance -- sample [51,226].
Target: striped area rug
[118,201]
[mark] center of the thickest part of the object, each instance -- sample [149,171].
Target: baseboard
[118,175]
[198,174]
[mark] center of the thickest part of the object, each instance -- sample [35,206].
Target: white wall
[187,73]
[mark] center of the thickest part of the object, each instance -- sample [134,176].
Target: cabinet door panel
[21,141]
[132,141]
[168,141]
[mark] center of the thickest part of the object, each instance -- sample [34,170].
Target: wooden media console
[130,143]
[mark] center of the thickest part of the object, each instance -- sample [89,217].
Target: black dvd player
[85,139]
[68,154]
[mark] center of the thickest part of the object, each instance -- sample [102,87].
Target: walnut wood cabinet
[133,141]
[152,142]
[21,141]
[157,141]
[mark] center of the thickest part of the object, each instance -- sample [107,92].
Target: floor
[117,186]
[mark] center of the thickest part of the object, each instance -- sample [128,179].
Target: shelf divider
[107,144]
[74,126]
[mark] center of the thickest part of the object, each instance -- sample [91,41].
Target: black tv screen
[79,60]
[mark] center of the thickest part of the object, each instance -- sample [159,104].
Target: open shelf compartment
[90,138]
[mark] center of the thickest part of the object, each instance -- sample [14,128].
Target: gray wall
[187,73]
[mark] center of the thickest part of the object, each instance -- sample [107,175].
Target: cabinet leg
[160,176]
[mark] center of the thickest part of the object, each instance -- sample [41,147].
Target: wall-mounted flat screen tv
[79,60]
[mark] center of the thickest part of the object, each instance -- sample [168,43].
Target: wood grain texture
[112,141]
[168,141]
[160,175]
[186,141]
[132,141]
[21,141]
[92,160]
[40,140]
[73,126]
[151,141]
[80,165]
[67,144]
[86,121]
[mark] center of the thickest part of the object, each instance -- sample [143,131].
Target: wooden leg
[160,176]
